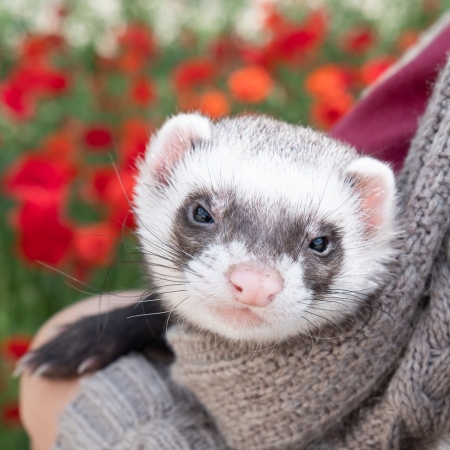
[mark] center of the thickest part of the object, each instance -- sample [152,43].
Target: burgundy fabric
[383,123]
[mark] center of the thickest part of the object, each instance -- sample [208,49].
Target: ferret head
[258,230]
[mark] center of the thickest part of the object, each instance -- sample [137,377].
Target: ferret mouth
[238,316]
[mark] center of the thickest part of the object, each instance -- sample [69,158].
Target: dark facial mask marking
[320,271]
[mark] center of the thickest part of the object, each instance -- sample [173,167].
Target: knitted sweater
[383,383]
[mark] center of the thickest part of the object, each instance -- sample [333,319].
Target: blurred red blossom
[214,104]
[114,190]
[131,61]
[326,111]
[40,46]
[44,234]
[39,79]
[60,146]
[359,40]
[15,346]
[121,98]
[10,415]
[193,72]
[224,50]
[407,39]
[98,137]
[119,194]
[290,42]
[97,182]
[274,21]
[92,245]
[134,137]
[373,69]
[251,84]
[138,37]
[17,103]
[35,175]
[118,189]
[327,80]
[303,37]
[27,84]
[143,91]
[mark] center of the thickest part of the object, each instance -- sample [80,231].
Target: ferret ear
[375,183]
[176,136]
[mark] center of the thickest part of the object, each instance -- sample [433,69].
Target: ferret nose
[255,288]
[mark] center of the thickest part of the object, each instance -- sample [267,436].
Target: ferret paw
[64,357]
[94,342]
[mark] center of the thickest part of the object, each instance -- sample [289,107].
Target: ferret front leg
[93,342]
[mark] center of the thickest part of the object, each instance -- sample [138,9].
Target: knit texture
[385,380]
[382,382]
[132,405]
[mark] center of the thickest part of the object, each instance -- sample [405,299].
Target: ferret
[252,229]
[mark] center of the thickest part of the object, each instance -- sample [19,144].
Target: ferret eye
[201,215]
[319,245]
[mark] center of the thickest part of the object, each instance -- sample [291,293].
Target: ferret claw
[87,365]
[23,364]
[40,370]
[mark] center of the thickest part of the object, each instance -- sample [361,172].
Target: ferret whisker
[70,277]
[149,314]
[159,290]
[78,289]
[253,354]
[170,313]
[176,249]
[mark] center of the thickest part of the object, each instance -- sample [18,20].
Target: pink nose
[254,288]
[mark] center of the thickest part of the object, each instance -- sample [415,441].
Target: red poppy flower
[93,244]
[193,72]
[251,84]
[214,104]
[17,102]
[43,234]
[34,175]
[372,70]
[60,147]
[135,135]
[327,80]
[273,20]
[224,50]
[119,189]
[143,91]
[97,182]
[98,137]
[114,191]
[122,218]
[328,110]
[290,42]
[131,61]
[358,40]
[407,39]
[118,194]
[10,415]
[39,78]
[27,83]
[138,37]
[40,46]
[54,81]
[14,347]
[303,38]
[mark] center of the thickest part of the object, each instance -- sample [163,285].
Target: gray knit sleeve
[133,405]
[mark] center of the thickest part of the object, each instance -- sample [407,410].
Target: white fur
[314,188]
[174,136]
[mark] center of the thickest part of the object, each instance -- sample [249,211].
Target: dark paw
[94,342]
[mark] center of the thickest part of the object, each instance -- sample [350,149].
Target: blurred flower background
[83,85]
